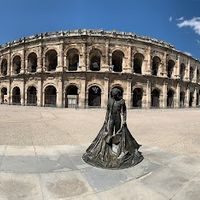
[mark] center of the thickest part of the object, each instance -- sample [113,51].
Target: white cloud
[193,23]
[180,19]
[170,18]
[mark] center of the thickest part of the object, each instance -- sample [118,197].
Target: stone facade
[79,68]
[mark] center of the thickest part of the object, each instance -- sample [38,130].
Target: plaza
[41,149]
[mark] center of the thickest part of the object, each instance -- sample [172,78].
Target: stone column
[128,64]
[40,60]
[148,96]
[177,71]
[82,60]
[105,59]
[177,103]
[128,93]
[194,98]
[195,75]
[60,58]
[164,67]
[146,67]
[23,92]
[187,97]
[39,93]
[187,75]
[165,85]
[82,94]
[59,103]
[106,92]
[23,62]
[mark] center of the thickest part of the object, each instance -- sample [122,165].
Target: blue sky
[174,21]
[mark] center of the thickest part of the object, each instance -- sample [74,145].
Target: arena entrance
[50,96]
[32,96]
[94,96]
[170,99]
[191,99]
[137,97]
[182,99]
[4,95]
[155,98]
[16,96]
[71,97]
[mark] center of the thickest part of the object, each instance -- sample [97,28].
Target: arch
[197,99]
[155,65]
[137,97]
[120,88]
[51,60]
[155,98]
[3,95]
[94,96]
[16,96]
[50,94]
[191,73]
[16,64]
[72,59]
[198,76]
[170,68]
[117,60]
[32,62]
[182,71]
[4,67]
[32,96]
[170,98]
[137,63]
[191,100]
[95,60]
[182,99]
[71,96]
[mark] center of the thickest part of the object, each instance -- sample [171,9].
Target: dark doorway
[50,96]
[137,97]
[32,62]
[155,98]
[182,99]
[51,59]
[3,95]
[71,97]
[117,60]
[170,98]
[32,96]
[94,96]
[16,96]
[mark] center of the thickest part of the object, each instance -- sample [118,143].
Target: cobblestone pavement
[41,149]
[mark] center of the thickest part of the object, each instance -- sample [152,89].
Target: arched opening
[32,62]
[197,100]
[4,67]
[16,96]
[182,71]
[32,96]
[191,73]
[51,60]
[71,97]
[117,60]
[50,96]
[121,90]
[137,97]
[16,64]
[73,59]
[137,63]
[155,65]
[170,68]
[94,96]
[198,76]
[4,95]
[191,99]
[95,60]
[170,98]
[155,98]
[182,99]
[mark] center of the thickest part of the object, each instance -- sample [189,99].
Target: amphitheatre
[42,137]
[78,69]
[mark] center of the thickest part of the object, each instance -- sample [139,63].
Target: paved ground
[41,149]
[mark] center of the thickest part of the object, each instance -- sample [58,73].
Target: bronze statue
[114,147]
